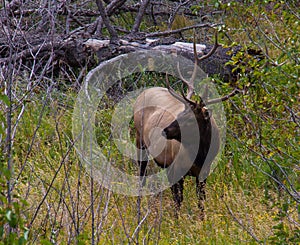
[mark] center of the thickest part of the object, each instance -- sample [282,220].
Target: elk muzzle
[172,131]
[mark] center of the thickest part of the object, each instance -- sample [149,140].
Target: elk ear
[206,113]
[190,105]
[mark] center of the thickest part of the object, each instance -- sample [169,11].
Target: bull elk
[171,114]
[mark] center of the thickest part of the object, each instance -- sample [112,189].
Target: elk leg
[200,190]
[142,162]
[142,158]
[177,191]
[143,165]
[143,172]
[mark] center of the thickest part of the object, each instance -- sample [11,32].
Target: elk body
[160,118]
[179,133]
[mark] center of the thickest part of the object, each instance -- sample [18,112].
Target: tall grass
[252,195]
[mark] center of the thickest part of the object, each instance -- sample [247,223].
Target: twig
[173,15]
[167,33]
[51,184]
[241,223]
[37,49]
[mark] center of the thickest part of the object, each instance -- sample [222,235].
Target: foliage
[12,223]
[253,194]
[270,115]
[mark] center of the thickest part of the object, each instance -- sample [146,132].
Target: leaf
[5,99]
[26,234]
[8,215]
[45,242]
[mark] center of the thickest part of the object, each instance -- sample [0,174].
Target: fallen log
[81,52]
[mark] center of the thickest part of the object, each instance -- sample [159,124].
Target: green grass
[244,201]
[239,196]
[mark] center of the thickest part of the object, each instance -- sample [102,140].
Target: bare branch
[241,224]
[51,184]
[111,30]
[113,6]
[172,32]
[139,16]
[173,15]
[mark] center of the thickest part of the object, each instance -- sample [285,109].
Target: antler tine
[211,52]
[205,94]
[226,97]
[185,97]
[190,84]
[172,91]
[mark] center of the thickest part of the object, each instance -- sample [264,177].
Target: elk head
[193,109]
[185,121]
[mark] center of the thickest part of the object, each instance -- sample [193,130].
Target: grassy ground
[252,195]
[242,204]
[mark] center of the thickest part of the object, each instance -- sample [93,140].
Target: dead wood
[68,35]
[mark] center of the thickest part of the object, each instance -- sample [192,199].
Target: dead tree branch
[172,32]
[110,28]
[139,16]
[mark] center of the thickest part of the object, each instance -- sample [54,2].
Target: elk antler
[183,99]
[210,53]
[190,83]
[226,97]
